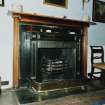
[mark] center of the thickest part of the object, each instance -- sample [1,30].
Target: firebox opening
[49,56]
[57,63]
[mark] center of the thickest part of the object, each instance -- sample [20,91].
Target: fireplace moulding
[47,20]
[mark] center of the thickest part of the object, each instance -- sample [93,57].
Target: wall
[96,32]
[74,11]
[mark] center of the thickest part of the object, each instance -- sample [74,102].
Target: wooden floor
[8,97]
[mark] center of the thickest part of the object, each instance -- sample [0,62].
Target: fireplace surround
[49,53]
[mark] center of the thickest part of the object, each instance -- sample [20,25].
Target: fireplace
[49,53]
[58,57]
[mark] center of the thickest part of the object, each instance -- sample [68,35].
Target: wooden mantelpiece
[37,19]
[33,18]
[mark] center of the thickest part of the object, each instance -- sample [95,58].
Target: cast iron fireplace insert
[50,56]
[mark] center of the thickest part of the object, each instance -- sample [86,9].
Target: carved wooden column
[84,51]
[16,60]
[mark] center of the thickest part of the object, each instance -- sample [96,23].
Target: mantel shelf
[36,18]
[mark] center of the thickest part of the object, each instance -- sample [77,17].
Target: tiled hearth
[9,98]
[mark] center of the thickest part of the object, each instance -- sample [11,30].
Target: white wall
[6,45]
[96,33]
[74,11]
